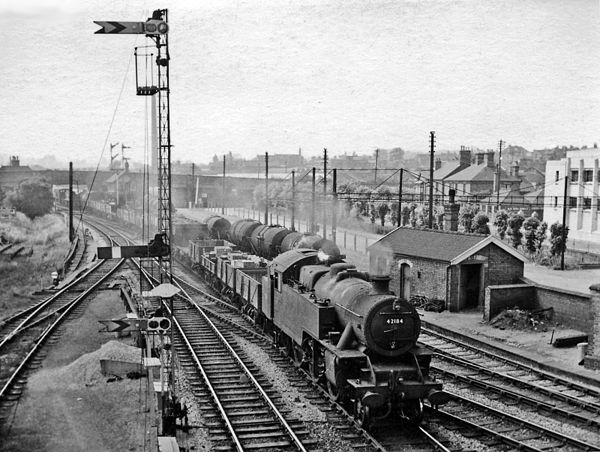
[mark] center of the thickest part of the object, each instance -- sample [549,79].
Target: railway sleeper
[265,446]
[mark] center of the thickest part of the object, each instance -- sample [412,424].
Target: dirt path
[69,405]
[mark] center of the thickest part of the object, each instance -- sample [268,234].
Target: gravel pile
[85,370]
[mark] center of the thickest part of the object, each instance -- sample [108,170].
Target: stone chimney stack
[479,158]
[14,160]
[465,157]
[490,159]
[438,163]
[514,169]
[451,212]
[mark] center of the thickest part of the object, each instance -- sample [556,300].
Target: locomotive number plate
[394,321]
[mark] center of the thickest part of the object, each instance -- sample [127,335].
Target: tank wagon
[344,327]
[269,241]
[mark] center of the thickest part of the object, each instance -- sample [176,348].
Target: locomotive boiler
[350,333]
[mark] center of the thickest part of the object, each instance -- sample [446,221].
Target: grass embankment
[19,277]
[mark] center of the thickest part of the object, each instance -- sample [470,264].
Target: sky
[274,76]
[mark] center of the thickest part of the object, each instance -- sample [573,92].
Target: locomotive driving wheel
[412,411]
[362,414]
[338,390]
[313,360]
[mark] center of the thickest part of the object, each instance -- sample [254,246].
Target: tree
[259,197]
[514,223]
[465,216]
[540,235]
[382,206]
[406,211]
[480,224]
[361,200]
[556,241]
[345,192]
[530,226]
[501,223]
[33,197]
[413,215]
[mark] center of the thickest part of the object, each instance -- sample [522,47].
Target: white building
[581,168]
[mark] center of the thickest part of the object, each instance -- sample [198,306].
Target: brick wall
[592,359]
[571,309]
[427,277]
[498,298]
[503,268]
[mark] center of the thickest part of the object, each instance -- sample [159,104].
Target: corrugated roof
[428,243]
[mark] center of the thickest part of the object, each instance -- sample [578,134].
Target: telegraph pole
[293,200]
[335,207]
[223,188]
[266,188]
[324,235]
[192,191]
[431,152]
[312,209]
[500,143]
[400,197]
[71,229]
[376,165]
[564,224]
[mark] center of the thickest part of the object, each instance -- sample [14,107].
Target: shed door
[470,282]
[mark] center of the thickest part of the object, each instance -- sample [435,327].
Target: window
[572,202]
[557,177]
[587,203]
[588,175]
[556,201]
[277,280]
[574,175]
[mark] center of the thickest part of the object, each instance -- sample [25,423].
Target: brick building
[445,265]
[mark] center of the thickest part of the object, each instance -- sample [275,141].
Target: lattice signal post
[155,28]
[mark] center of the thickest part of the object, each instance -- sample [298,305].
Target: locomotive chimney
[381,284]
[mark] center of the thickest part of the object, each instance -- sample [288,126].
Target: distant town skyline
[255,77]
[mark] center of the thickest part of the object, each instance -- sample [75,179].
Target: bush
[33,197]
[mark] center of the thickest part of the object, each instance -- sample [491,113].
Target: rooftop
[435,244]
[481,172]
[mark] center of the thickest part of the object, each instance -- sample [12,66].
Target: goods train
[343,326]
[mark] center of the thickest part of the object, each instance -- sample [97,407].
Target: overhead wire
[110,126]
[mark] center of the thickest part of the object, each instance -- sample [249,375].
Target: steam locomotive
[343,326]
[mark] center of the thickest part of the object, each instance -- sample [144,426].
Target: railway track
[564,411]
[390,438]
[39,326]
[491,399]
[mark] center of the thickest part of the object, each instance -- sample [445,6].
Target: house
[13,174]
[443,170]
[445,265]
[481,179]
[576,179]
